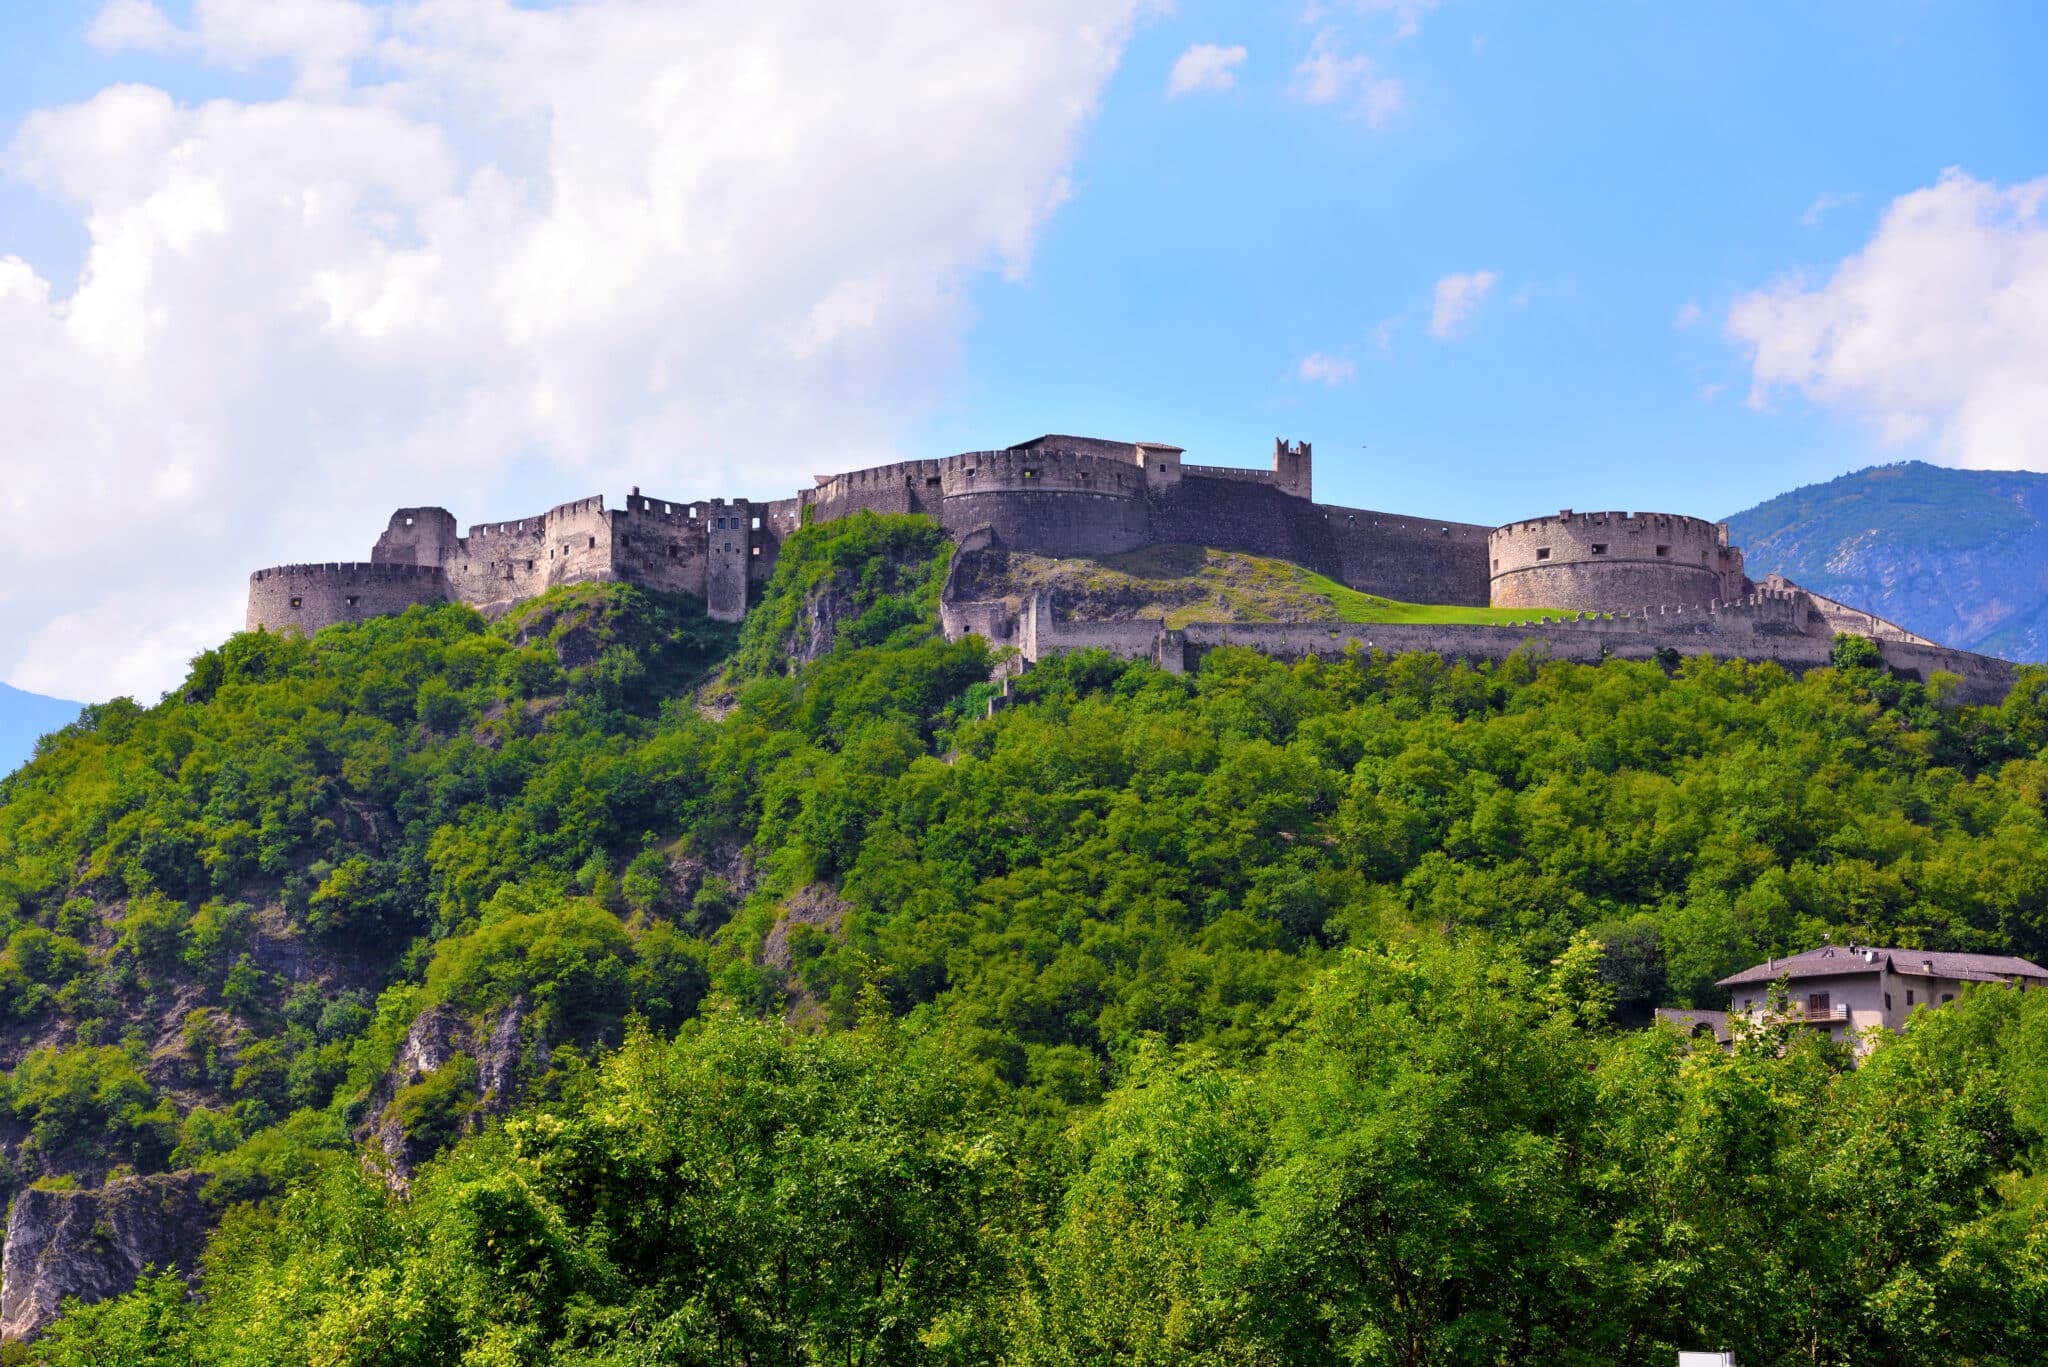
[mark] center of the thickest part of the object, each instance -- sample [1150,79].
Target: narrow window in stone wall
[351,600]
[1496,567]
[1599,548]
[1543,552]
[757,550]
[673,551]
[1887,1001]
[295,602]
[1909,996]
[593,543]
[1031,474]
[529,566]
[757,524]
[1663,550]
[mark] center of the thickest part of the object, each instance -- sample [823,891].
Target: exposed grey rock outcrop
[437,1036]
[94,1244]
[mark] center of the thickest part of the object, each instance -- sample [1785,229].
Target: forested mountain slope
[811,1014]
[1957,555]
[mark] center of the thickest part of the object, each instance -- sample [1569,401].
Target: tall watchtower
[1293,468]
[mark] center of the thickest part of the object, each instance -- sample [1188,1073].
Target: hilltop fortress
[1659,581]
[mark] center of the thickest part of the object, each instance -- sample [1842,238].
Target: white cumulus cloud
[492,255]
[1458,297]
[1316,368]
[1938,328]
[1205,66]
[1331,75]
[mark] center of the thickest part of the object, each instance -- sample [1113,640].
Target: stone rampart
[1984,680]
[310,597]
[1603,561]
[977,473]
[417,536]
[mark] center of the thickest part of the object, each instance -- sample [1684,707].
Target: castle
[1658,581]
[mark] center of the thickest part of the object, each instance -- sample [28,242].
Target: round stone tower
[1609,562]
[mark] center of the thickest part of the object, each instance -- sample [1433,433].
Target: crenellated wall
[1607,561]
[1768,626]
[1664,578]
[310,597]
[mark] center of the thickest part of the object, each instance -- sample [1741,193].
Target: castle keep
[1660,580]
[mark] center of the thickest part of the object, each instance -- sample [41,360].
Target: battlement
[1037,470]
[352,571]
[309,597]
[1604,560]
[1642,575]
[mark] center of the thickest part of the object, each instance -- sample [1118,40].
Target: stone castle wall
[1603,561]
[310,597]
[1774,627]
[1666,578]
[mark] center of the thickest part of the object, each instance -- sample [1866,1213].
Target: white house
[1846,989]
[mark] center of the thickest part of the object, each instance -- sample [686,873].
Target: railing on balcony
[1819,1015]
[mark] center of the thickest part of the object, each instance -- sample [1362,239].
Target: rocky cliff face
[94,1244]
[1957,555]
[441,1037]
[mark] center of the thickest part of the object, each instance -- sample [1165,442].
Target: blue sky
[282,265]
[1610,169]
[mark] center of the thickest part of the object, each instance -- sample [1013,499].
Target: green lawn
[1187,584]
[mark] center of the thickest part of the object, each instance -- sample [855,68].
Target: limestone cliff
[94,1244]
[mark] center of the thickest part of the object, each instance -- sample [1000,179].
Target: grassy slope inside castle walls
[227,916]
[1185,584]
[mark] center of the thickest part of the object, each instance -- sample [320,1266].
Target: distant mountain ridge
[1957,555]
[24,719]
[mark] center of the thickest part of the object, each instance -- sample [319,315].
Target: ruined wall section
[660,544]
[499,562]
[310,597]
[418,536]
[1608,561]
[728,558]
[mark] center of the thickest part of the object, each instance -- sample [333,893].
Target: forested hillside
[767,1000]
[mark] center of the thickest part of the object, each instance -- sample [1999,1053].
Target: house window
[1599,548]
[1543,552]
[1887,1001]
[1816,1003]
[1664,550]
[593,543]
[757,550]
[1909,997]
[1947,997]
[757,524]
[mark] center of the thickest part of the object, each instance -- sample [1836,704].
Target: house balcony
[1818,1015]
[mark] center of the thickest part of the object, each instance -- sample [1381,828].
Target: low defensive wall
[310,597]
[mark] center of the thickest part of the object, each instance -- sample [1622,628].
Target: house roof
[1836,961]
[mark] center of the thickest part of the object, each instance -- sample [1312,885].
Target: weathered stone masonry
[1063,495]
